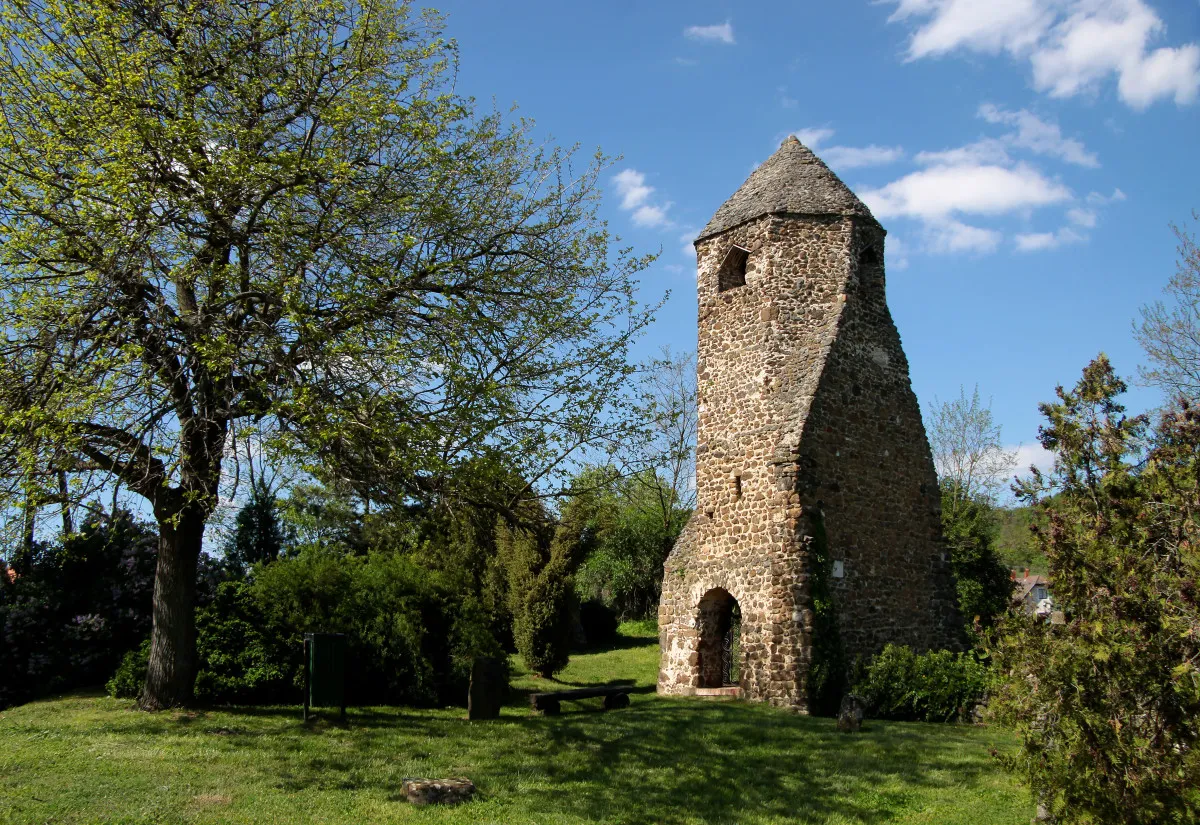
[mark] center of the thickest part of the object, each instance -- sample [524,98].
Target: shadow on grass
[659,761]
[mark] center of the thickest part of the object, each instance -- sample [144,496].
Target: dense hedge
[938,686]
[75,607]
[411,634]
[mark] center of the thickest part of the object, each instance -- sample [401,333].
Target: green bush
[241,659]
[127,682]
[411,633]
[937,686]
[541,626]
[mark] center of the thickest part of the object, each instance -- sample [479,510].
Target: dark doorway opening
[720,652]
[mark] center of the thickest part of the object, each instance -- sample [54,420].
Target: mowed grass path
[89,759]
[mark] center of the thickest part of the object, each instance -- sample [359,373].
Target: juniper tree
[220,214]
[1106,698]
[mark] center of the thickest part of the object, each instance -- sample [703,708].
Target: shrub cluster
[937,686]
[411,634]
[75,607]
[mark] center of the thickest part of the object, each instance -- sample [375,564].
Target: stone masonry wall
[802,388]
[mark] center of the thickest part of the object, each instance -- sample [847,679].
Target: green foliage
[258,535]
[827,671]
[1015,545]
[411,636]
[76,606]
[983,582]
[635,524]
[226,217]
[936,686]
[541,625]
[540,594]
[1107,702]
[243,658]
[127,682]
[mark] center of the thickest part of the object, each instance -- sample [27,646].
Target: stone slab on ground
[850,715]
[438,791]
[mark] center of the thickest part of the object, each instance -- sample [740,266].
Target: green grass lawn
[90,759]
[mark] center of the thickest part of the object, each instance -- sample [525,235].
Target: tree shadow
[660,761]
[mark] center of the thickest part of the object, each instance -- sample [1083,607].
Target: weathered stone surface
[438,791]
[793,180]
[489,684]
[850,714]
[805,407]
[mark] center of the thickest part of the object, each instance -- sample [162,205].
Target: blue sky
[1025,156]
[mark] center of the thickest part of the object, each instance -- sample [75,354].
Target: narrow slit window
[733,269]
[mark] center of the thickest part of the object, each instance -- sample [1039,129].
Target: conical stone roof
[791,180]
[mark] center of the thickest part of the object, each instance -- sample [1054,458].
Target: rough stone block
[438,791]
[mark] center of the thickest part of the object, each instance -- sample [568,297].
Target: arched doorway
[720,651]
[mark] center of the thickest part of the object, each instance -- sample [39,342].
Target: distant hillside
[1015,546]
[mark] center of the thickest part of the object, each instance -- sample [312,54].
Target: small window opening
[733,269]
[869,257]
[736,483]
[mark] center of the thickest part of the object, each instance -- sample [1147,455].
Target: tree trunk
[64,493]
[171,675]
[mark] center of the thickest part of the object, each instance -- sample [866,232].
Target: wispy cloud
[635,199]
[1071,46]
[944,190]
[1039,136]
[1041,241]
[847,157]
[720,33]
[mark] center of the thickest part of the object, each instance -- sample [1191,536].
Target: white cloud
[631,186]
[1082,217]
[1072,46]
[1041,241]
[1031,454]
[635,198]
[1096,199]
[987,150]
[813,137]
[981,25]
[785,100]
[948,236]
[896,253]
[721,33]
[939,191]
[846,157]
[648,215]
[688,240]
[1038,136]
[853,157]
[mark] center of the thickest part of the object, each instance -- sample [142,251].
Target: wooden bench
[548,704]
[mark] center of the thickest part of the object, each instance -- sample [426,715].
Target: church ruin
[813,471]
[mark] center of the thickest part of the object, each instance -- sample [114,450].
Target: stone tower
[810,447]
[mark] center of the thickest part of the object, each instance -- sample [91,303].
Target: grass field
[90,759]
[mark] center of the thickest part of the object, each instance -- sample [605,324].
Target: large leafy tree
[1106,697]
[239,213]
